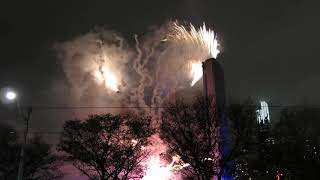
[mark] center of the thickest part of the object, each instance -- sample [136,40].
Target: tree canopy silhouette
[40,163]
[107,146]
[192,132]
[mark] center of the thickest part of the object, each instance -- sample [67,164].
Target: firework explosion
[201,40]
[103,70]
[156,170]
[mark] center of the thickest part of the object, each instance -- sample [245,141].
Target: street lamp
[12,96]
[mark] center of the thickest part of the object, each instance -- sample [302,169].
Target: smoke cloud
[144,74]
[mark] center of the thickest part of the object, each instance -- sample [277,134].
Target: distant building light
[263,115]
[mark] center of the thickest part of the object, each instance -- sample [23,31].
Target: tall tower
[213,81]
[263,115]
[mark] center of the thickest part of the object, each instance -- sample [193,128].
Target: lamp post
[12,96]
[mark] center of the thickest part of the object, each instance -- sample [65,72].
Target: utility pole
[25,133]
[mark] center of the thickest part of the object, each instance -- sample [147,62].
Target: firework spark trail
[138,92]
[203,38]
[155,112]
[139,65]
[146,60]
[203,41]
[156,100]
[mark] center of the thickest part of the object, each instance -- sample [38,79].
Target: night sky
[270,47]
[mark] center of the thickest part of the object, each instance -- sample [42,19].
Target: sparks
[203,41]
[203,37]
[157,171]
[196,72]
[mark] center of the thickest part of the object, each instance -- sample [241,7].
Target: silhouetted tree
[192,132]
[107,146]
[296,151]
[290,149]
[243,129]
[39,163]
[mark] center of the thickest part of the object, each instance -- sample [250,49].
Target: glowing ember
[157,171]
[103,75]
[204,40]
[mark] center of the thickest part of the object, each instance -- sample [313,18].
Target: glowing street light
[11,95]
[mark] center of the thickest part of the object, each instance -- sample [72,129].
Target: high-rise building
[263,115]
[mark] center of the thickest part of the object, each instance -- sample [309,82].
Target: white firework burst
[198,44]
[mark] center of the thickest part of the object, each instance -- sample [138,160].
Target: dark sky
[271,47]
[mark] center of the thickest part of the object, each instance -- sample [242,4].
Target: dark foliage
[289,150]
[107,146]
[39,162]
[192,132]
[295,152]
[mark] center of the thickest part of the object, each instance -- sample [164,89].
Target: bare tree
[243,134]
[192,131]
[295,152]
[107,146]
[41,163]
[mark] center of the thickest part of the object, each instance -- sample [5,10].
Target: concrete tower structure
[213,81]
